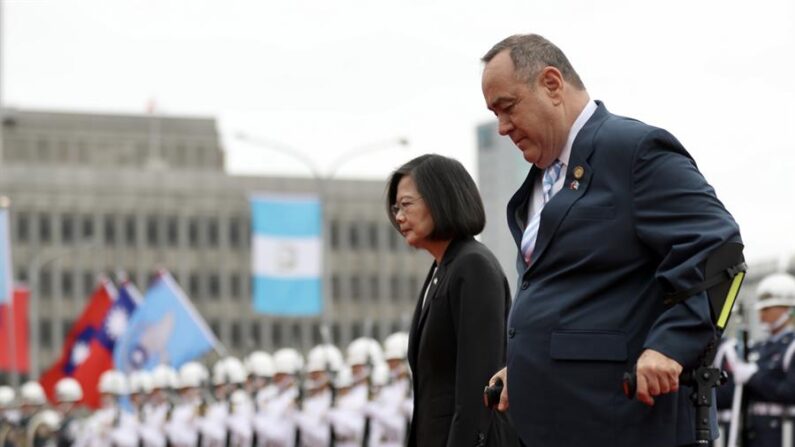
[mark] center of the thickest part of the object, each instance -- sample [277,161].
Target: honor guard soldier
[43,429]
[275,424]
[158,407]
[260,372]
[389,422]
[68,394]
[769,376]
[9,416]
[109,425]
[213,423]
[322,365]
[32,402]
[182,429]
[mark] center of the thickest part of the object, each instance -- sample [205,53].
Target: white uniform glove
[743,371]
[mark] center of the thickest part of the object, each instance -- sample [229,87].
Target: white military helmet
[774,290]
[260,364]
[191,375]
[219,372]
[235,371]
[396,346]
[68,390]
[344,378]
[7,396]
[113,382]
[164,376]
[141,382]
[324,358]
[239,397]
[50,419]
[31,393]
[287,361]
[364,351]
[380,374]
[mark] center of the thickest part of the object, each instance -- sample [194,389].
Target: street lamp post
[39,262]
[322,181]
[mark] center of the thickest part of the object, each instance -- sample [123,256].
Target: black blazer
[456,343]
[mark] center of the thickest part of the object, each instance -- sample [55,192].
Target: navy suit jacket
[637,224]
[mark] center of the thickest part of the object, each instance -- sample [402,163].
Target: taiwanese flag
[84,357]
[14,332]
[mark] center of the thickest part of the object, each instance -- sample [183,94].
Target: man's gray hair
[530,53]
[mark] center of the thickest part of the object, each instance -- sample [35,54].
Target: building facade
[126,195]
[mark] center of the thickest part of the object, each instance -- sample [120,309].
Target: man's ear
[551,81]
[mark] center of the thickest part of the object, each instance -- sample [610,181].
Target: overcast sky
[326,77]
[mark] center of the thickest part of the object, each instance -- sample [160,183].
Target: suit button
[525,284]
[511,332]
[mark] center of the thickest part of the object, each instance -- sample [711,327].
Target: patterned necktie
[551,175]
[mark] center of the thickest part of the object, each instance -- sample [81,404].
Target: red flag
[14,332]
[83,357]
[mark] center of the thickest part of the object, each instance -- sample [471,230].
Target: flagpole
[5,207]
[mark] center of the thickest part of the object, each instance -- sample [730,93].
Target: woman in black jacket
[457,337]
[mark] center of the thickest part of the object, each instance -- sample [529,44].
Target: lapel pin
[579,171]
[574,185]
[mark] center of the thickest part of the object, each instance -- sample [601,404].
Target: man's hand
[743,371]
[503,375]
[656,375]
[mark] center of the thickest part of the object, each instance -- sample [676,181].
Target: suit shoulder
[620,134]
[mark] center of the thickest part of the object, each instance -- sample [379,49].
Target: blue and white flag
[165,329]
[118,317]
[287,252]
[6,278]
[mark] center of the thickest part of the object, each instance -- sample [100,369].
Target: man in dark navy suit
[612,216]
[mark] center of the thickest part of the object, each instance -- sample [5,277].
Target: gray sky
[326,77]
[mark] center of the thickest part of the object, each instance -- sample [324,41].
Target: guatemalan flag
[287,252]
[165,329]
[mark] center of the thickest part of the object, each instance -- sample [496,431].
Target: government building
[95,195]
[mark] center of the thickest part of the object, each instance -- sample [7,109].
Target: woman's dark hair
[447,190]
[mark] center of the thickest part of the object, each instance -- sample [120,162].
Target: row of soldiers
[359,399]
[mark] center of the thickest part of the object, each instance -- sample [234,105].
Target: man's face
[770,315]
[525,111]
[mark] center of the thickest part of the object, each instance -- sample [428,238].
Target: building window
[237,337]
[172,231]
[358,329]
[88,283]
[374,289]
[45,233]
[234,233]
[296,335]
[356,288]
[393,238]
[335,235]
[256,334]
[88,227]
[234,282]
[45,283]
[66,326]
[193,232]
[194,286]
[394,286]
[336,333]
[151,231]
[336,291]
[215,326]
[67,284]
[373,236]
[276,335]
[130,231]
[353,235]
[67,229]
[214,286]
[23,231]
[22,274]
[317,334]
[110,230]
[212,232]
[45,333]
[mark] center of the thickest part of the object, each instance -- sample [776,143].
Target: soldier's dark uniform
[771,390]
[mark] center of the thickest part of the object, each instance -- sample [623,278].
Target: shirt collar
[585,115]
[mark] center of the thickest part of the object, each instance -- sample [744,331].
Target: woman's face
[412,214]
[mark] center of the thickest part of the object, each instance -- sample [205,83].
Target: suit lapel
[517,207]
[554,211]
